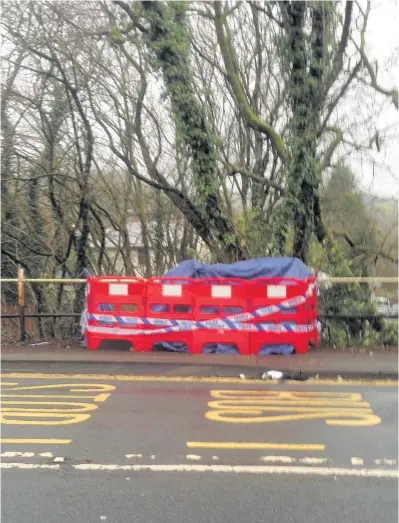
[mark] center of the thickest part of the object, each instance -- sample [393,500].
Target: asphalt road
[92,448]
[71,497]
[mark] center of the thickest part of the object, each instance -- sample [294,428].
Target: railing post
[21,303]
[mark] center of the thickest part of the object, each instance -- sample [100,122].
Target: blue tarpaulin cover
[247,270]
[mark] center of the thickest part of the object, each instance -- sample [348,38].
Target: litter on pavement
[274,374]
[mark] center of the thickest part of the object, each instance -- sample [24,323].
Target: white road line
[238,469]
[313,461]
[59,459]
[355,461]
[277,459]
[17,454]
[288,459]
[27,466]
[385,461]
[317,471]
[244,469]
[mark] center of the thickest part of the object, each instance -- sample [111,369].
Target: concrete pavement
[325,363]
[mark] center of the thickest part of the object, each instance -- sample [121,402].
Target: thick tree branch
[345,33]
[338,59]
[371,253]
[181,201]
[326,162]
[232,170]
[333,104]
[31,249]
[128,10]
[251,119]
[390,93]
[265,8]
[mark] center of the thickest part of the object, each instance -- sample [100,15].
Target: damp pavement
[325,363]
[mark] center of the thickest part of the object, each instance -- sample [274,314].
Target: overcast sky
[383,45]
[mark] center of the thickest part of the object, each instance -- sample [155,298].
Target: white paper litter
[275,374]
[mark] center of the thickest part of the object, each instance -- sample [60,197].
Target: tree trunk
[169,40]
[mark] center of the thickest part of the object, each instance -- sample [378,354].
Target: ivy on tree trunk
[169,40]
[304,55]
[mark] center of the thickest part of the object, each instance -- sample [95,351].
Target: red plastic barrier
[113,305]
[169,299]
[264,292]
[129,309]
[217,298]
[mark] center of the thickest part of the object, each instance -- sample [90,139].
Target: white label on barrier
[171,290]
[276,291]
[221,291]
[118,289]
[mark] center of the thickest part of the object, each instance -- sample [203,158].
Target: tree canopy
[213,125]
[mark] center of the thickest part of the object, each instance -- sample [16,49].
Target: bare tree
[203,128]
